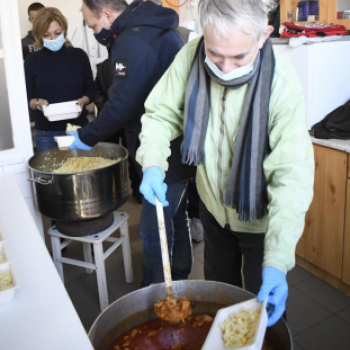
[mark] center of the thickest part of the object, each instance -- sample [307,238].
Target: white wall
[325,88]
[69,8]
[13,162]
[189,12]
[343,5]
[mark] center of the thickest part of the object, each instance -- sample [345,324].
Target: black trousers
[193,198]
[228,255]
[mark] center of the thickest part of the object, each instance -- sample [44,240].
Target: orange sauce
[160,335]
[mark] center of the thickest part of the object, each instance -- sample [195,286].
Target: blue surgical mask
[234,73]
[55,45]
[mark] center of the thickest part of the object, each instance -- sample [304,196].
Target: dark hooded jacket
[142,44]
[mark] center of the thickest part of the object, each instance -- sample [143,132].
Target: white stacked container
[6,295]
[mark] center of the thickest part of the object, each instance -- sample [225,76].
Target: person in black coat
[142,42]
[57,73]
[103,83]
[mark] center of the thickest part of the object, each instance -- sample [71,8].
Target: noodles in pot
[80,164]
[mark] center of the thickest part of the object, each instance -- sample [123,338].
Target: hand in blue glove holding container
[77,143]
[274,287]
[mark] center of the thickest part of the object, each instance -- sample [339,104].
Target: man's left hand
[77,143]
[275,287]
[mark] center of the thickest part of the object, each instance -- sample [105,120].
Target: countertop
[341,145]
[41,316]
[284,41]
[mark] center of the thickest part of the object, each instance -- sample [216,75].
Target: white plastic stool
[97,239]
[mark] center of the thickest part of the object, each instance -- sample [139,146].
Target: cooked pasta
[79,164]
[71,127]
[5,280]
[2,258]
[239,329]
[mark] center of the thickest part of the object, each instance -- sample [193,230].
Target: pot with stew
[130,322]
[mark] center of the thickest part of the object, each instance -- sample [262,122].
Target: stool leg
[87,256]
[101,275]
[124,231]
[57,254]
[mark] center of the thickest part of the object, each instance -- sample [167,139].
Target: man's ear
[269,29]
[107,12]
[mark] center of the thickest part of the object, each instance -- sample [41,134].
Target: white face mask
[234,73]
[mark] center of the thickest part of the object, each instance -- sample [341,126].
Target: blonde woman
[57,73]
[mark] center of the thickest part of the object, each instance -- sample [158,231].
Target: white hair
[247,16]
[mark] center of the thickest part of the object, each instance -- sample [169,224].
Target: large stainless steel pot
[136,308]
[79,196]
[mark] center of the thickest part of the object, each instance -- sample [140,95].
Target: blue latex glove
[275,287]
[152,185]
[77,143]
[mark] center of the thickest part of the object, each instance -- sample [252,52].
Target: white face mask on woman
[234,73]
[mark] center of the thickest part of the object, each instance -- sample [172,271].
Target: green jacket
[289,168]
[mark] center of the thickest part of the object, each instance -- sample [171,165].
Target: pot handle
[41,180]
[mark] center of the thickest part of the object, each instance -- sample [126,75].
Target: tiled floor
[318,315]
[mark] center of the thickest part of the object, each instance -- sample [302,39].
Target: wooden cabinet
[324,248]
[322,241]
[327,12]
[346,251]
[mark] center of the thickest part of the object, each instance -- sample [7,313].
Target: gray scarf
[246,189]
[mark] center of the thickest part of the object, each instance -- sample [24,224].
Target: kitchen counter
[285,41]
[41,316]
[340,145]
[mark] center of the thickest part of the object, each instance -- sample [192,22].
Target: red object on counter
[316,30]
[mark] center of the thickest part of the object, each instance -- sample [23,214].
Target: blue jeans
[45,139]
[178,234]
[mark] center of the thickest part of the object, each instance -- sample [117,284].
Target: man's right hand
[152,185]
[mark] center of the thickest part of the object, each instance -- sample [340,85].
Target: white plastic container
[62,111]
[214,339]
[7,295]
[64,142]
[2,238]
[3,253]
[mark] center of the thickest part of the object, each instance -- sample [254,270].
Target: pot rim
[80,173]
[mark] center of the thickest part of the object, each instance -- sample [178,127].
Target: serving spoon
[170,309]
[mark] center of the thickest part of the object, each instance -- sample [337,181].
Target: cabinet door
[288,8]
[327,12]
[346,250]
[322,241]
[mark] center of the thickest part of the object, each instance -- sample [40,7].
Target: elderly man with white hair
[241,109]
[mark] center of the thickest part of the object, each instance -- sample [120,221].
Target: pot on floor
[136,308]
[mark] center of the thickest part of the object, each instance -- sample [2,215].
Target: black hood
[146,13]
